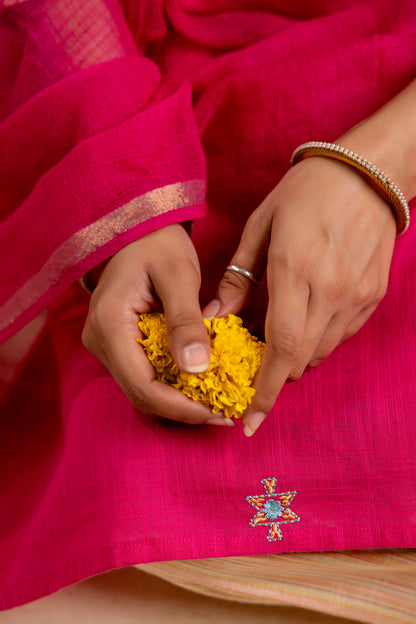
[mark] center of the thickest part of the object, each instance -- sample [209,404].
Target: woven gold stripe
[92,237]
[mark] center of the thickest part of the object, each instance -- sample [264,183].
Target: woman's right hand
[158,271]
[324,239]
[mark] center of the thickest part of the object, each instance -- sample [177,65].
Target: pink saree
[118,118]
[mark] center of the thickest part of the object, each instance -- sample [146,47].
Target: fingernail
[227,422]
[211,309]
[196,358]
[253,423]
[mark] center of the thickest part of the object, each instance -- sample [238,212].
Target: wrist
[388,139]
[90,280]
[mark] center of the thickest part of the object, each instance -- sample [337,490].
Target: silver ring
[248,274]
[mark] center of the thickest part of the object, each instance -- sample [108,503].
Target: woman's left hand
[325,239]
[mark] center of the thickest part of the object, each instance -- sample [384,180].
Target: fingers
[358,321]
[302,329]
[285,327]
[324,330]
[137,280]
[328,326]
[316,350]
[235,289]
[317,324]
[328,241]
[131,369]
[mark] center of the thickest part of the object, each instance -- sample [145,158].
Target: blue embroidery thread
[272,509]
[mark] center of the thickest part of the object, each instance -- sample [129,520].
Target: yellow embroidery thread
[226,385]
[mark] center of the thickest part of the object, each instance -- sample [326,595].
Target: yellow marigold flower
[226,385]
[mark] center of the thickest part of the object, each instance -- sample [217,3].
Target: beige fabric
[129,596]
[377,587]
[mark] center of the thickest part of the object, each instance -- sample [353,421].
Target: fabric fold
[110,189]
[92,157]
[116,149]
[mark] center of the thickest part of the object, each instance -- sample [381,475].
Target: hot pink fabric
[87,483]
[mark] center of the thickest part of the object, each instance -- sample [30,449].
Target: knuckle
[381,293]
[334,288]
[296,373]
[137,398]
[86,337]
[98,314]
[350,331]
[279,261]
[94,331]
[252,224]
[175,263]
[186,419]
[305,270]
[325,349]
[286,345]
[300,270]
[193,273]
[233,280]
[265,399]
[258,221]
[316,360]
[183,320]
[364,295]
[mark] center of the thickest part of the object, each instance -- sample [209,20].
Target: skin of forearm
[388,139]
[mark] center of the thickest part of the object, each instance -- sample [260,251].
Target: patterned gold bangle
[377,178]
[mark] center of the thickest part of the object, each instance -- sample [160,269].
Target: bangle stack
[377,178]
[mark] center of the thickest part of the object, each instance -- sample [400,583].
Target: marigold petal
[235,359]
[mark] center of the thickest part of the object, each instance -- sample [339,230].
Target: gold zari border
[96,235]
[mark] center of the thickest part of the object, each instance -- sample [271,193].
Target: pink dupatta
[114,117]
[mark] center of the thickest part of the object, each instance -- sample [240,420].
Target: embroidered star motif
[272,509]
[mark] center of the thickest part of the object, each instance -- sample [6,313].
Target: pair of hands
[325,240]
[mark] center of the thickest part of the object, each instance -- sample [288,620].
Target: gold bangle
[377,178]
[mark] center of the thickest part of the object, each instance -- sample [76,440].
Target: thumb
[188,340]
[187,334]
